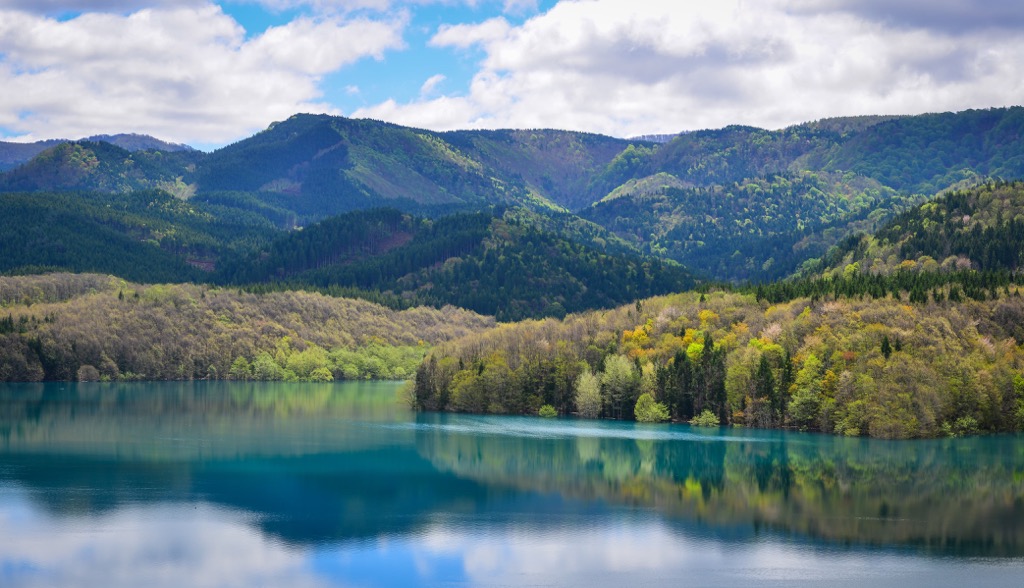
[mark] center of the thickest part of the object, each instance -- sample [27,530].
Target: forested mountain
[102,166]
[909,328]
[511,264]
[747,204]
[319,165]
[914,331]
[137,142]
[733,204]
[330,163]
[924,153]
[753,229]
[14,154]
[964,244]
[555,166]
[148,236]
[978,228]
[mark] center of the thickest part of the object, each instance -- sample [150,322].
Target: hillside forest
[857,276]
[879,367]
[91,327]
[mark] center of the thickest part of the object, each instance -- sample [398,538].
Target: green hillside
[748,204]
[931,152]
[319,165]
[557,166]
[511,264]
[924,153]
[977,228]
[964,245]
[750,230]
[87,327]
[148,236]
[13,155]
[104,167]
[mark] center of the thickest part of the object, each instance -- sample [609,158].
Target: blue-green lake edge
[227,483]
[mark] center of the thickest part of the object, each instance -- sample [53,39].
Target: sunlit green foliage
[705,419]
[54,325]
[588,395]
[802,364]
[648,410]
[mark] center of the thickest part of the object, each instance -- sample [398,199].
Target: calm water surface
[229,484]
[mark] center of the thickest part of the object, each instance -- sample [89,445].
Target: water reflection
[962,496]
[176,544]
[322,483]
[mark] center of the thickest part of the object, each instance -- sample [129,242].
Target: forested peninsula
[879,367]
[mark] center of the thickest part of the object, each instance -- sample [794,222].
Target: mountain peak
[137,142]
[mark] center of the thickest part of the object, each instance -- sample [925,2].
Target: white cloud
[951,16]
[509,6]
[316,48]
[431,84]
[653,554]
[61,6]
[186,74]
[463,36]
[627,67]
[520,6]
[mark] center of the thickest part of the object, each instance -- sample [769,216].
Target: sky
[209,73]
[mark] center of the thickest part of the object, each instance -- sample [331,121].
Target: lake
[269,484]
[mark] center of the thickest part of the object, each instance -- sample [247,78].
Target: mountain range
[738,204]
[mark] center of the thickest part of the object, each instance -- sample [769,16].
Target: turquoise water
[241,484]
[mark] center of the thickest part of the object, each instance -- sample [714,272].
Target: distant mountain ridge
[656,137]
[13,154]
[137,142]
[101,166]
[733,204]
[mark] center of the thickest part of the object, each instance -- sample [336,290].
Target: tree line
[60,327]
[883,368]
